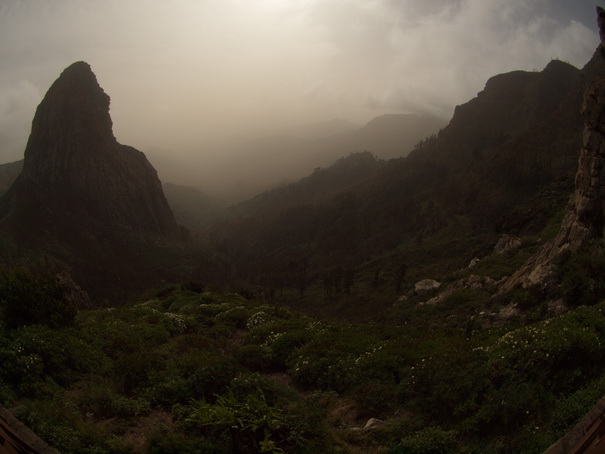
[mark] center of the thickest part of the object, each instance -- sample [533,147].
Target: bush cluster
[204,372]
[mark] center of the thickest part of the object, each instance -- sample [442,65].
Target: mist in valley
[234,97]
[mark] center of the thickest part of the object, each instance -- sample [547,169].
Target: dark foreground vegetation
[190,371]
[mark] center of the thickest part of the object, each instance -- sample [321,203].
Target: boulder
[507,313]
[426,286]
[373,423]
[473,281]
[506,243]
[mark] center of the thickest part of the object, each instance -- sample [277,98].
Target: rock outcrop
[507,243]
[87,205]
[75,173]
[585,213]
[426,286]
[72,292]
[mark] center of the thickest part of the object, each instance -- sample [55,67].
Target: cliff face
[585,212]
[85,204]
[76,173]
[510,104]
[585,217]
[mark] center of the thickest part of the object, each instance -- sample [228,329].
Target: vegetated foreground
[190,371]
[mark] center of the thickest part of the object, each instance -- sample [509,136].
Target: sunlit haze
[186,73]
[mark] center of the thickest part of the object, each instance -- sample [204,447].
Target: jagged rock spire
[75,173]
[72,118]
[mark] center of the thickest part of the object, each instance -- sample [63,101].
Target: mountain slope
[504,164]
[257,164]
[191,207]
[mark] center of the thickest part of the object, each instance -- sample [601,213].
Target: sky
[183,74]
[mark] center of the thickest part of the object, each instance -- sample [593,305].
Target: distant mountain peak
[558,65]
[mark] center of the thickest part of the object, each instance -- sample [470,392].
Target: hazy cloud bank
[185,72]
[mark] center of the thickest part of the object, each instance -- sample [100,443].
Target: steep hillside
[393,135]
[504,164]
[257,164]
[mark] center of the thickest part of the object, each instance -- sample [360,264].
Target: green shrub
[221,331]
[54,422]
[464,297]
[28,299]
[580,276]
[286,344]
[451,385]
[102,400]
[383,363]
[563,352]
[165,441]
[7,394]
[38,353]
[212,379]
[274,392]
[238,316]
[255,357]
[432,440]
[251,422]
[131,370]
[570,409]
[327,372]
[254,424]
[530,368]
[374,399]
[98,399]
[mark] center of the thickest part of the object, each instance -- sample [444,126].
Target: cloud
[431,61]
[183,71]
[17,102]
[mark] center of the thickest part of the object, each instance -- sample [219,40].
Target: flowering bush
[572,342]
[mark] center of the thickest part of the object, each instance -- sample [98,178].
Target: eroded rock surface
[75,173]
[584,217]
